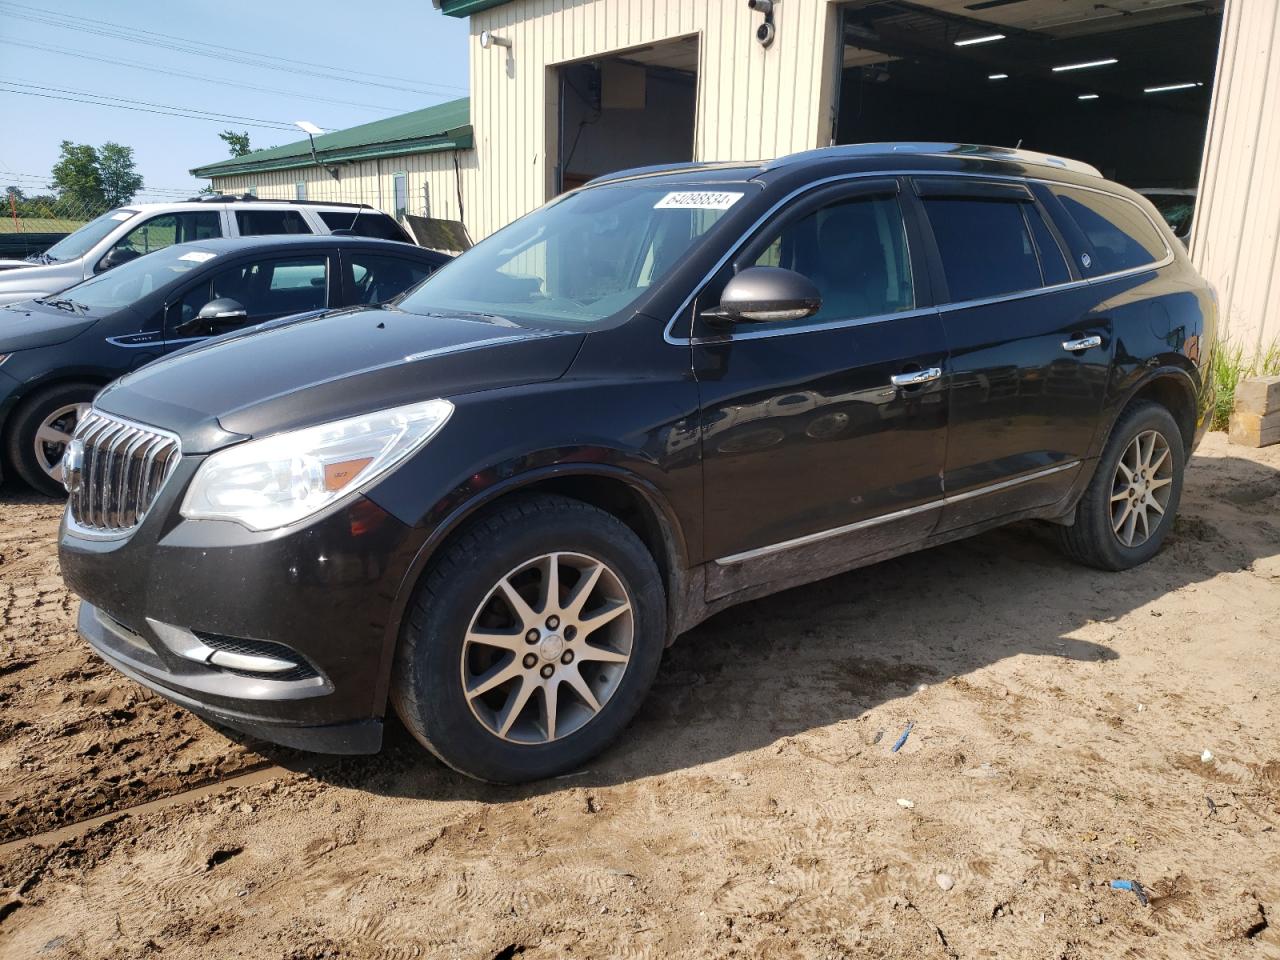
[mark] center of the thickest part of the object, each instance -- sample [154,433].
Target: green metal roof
[446,126]
[464,8]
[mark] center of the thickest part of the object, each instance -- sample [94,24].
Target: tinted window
[253,223]
[274,288]
[855,252]
[367,224]
[185,310]
[378,278]
[1053,265]
[985,246]
[1121,234]
[168,229]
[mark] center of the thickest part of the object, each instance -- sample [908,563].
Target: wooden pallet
[1255,422]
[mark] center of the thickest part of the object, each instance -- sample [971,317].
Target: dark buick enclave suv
[495,502]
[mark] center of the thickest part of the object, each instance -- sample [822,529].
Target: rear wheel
[41,429]
[532,641]
[1129,506]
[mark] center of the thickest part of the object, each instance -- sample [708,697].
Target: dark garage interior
[1133,99]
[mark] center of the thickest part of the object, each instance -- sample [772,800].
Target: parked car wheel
[532,641]
[1129,506]
[42,428]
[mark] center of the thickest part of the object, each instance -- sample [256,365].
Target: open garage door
[626,110]
[1123,85]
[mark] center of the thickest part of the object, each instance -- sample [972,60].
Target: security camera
[765,32]
[761,6]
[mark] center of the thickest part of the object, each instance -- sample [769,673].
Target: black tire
[426,688]
[20,452]
[1091,540]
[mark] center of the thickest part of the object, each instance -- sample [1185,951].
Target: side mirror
[224,308]
[116,257]
[766,295]
[205,323]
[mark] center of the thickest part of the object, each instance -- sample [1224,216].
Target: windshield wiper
[39,258]
[63,303]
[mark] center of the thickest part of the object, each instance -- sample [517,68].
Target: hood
[12,264]
[24,326]
[27,280]
[339,364]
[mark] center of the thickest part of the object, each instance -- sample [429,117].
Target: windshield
[75,245]
[132,281]
[580,259]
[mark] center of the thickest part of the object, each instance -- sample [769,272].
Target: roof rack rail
[926,148]
[250,198]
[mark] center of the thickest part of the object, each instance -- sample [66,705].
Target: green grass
[39,225]
[1230,366]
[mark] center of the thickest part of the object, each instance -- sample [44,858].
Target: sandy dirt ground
[754,809]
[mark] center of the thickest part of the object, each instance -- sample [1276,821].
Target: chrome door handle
[915,378]
[1084,343]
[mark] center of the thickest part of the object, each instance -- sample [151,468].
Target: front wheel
[532,641]
[42,428]
[1129,506]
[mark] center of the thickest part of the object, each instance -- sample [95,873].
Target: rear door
[376,276]
[812,456]
[1030,356]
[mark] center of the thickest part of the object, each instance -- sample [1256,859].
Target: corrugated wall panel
[1236,236]
[752,103]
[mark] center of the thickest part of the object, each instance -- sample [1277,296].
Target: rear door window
[376,278]
[1121,234]
[257,223]
[985,245]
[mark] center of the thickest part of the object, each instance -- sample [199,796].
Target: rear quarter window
[367,224]
[1121,234]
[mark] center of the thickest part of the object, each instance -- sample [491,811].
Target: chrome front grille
[114,470]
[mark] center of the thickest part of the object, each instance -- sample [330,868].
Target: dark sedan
[56,353]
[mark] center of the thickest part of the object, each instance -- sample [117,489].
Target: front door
[1030,356]
[267,288]
[813,457]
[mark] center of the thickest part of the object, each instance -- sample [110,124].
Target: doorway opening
[629,109]
[1123,86]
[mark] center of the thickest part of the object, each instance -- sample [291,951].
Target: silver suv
[120,235]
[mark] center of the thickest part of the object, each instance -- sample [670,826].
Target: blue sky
[389,45]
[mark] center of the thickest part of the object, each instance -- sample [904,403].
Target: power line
[83,55]
[168,108]
[218,52]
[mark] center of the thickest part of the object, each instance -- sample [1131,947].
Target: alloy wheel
[547,648]
[53,435]
[1141,488]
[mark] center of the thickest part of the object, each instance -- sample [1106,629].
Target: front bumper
[189,608]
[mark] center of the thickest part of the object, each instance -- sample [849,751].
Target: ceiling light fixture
[1088,64]
[1172,86]
[1087,96]
[997,76]
[985,38]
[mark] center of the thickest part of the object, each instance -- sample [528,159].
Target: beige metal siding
[1236,237]
[433,182]
[752,103]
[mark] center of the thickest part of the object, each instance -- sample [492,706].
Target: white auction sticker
[124,215]
[199,256]
[698,200]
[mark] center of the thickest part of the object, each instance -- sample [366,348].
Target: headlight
[278,480]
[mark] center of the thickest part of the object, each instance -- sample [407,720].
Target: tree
[16,193]
[118,174]
[76,175]
[237,143]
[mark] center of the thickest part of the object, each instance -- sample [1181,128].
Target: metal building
[564,90]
